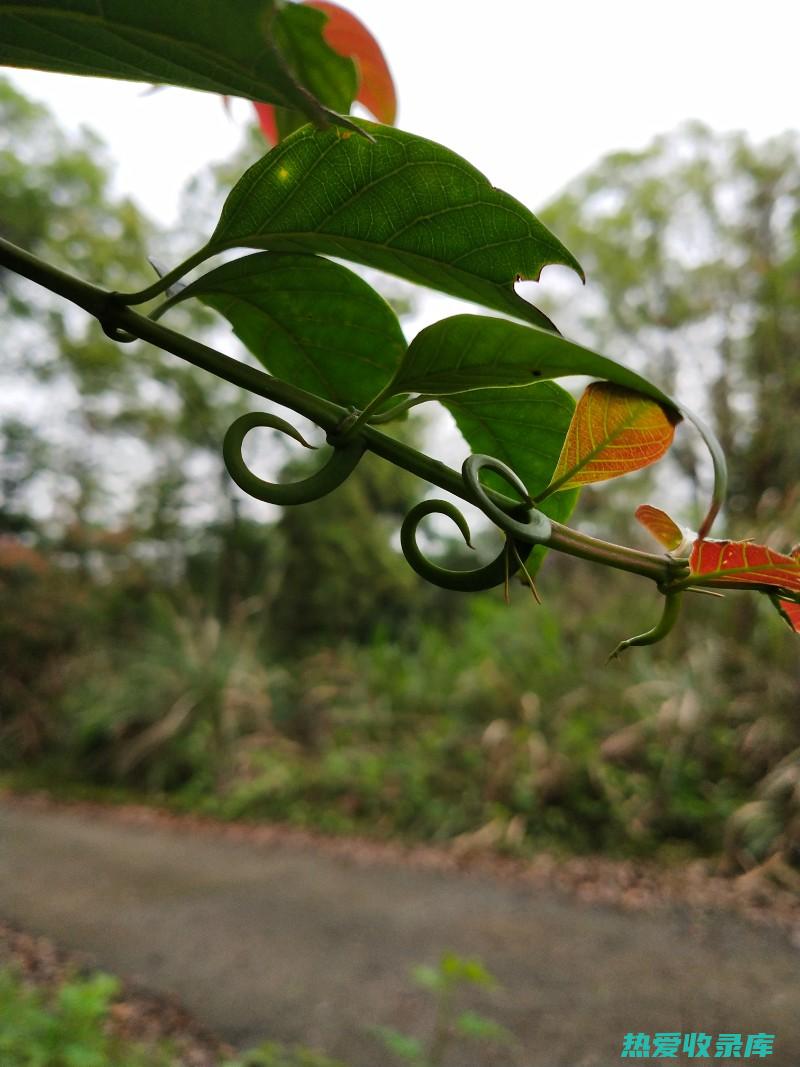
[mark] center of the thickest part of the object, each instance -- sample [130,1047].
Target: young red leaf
[614,431]
[268,122]
[348,36]
[789,610]
[733,563]
[743,562]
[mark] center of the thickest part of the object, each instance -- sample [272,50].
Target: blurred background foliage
[163,637]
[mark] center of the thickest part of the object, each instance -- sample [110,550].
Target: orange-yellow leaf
[743,562]
[613,431]
[660,525]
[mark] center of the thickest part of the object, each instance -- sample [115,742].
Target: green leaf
[470,1024]
[311,322]
[257,49]
[427,977]
[402,1045]
[525,428]
[402,204]
[467,352]
[465,971]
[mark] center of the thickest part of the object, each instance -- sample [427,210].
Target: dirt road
[286,943]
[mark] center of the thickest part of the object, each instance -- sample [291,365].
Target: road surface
[284,942]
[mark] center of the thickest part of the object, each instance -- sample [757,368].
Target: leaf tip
[617,652]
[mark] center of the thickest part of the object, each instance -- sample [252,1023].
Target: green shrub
[67,1029]
[70,1028]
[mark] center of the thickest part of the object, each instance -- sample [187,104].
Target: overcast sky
[531,93]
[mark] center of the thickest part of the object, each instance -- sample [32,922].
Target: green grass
[70,1027]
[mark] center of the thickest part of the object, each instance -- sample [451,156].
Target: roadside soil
[264,932]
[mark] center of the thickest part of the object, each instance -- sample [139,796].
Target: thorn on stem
[530,582]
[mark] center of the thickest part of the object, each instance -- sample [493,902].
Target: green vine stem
[122,323]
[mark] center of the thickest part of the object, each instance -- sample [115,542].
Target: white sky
[529,92]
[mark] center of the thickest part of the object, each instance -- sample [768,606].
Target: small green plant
[445,982]
[275,1054]
[67,1029]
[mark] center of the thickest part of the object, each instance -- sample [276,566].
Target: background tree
[112,419]
[177,637]
[692,248]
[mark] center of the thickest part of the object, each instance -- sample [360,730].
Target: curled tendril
[720,470]
[507,563]
[669,616]
[340,465]
[536,527]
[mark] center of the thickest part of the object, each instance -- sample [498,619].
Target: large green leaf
[258,49]
[310,321]
[525,428]
[403,204]
[467,352]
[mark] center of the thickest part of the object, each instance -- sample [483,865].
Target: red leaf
[790,612]
[267,122]
[733,563]
[348,36]
[738,562]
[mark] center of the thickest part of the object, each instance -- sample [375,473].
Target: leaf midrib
[752,568]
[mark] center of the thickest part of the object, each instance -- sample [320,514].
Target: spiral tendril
[507,563]
[534,530]
[340,465]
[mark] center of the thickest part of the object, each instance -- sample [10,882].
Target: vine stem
[122,323]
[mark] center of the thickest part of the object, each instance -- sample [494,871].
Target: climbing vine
[332,348]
